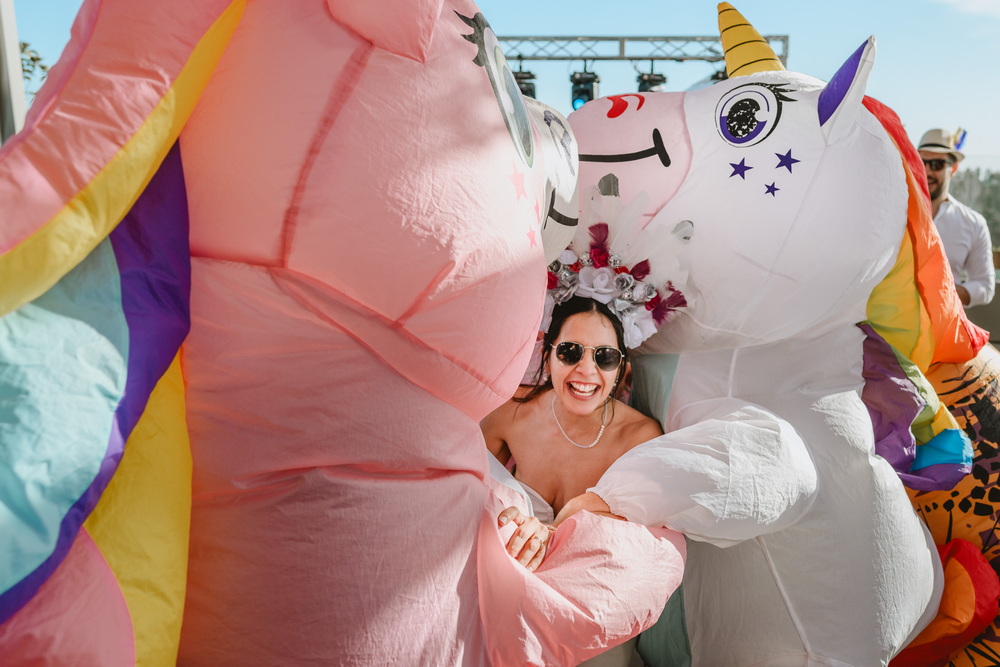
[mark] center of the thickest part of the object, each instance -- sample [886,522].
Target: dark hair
[562,312]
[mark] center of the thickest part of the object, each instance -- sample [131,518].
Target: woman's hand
[529,541]
[589,501]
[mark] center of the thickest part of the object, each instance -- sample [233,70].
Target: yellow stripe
[934,417]
[143,520]
[38,263]
[899,315]
[943,420]
[897,312]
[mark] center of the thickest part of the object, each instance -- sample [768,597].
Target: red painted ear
[403,27]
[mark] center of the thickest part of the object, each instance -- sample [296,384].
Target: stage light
[651,82]
[712,78]
[584,87]
[526,82]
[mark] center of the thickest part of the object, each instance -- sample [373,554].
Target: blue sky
[936,62]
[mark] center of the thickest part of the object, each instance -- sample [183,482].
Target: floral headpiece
[600,274]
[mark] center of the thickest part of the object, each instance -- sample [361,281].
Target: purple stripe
[154,265]
[154,258]
[892,401]
[938,477]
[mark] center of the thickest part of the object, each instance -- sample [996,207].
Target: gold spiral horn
[746,51]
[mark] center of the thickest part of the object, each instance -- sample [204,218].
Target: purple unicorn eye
[747,114]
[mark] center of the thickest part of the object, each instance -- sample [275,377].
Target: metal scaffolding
[676,49]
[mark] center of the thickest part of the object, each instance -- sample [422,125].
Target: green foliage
[981,191]
[33,68]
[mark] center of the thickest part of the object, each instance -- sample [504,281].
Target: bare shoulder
[636,428]
[506,417]
[507,428]
[498,421]
[496,428]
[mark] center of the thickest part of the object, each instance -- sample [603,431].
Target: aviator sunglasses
[937,164]
[605,357]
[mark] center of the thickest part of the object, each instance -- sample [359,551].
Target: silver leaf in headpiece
[624,281]
[566,288]
[622,306]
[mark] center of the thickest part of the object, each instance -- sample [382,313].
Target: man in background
[963,231]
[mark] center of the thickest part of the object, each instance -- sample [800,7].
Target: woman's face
[583,387]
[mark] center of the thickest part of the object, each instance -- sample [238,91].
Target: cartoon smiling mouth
[556,216]
[658,149]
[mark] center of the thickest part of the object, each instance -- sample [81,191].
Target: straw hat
[941,141]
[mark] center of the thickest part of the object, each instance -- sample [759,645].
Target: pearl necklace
[600,433]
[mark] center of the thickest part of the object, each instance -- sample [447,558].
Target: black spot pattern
[742,118]
[971,510]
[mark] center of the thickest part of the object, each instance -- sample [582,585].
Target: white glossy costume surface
[804,547]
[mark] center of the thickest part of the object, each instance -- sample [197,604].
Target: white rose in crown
[567,258]
[598,284]
[638,325]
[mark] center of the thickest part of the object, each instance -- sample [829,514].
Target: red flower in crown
[553,280]
[599,253]
[599,236]
[641,270]
[661,307]
[654,302]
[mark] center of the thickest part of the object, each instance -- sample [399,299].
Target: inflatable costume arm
[737,473]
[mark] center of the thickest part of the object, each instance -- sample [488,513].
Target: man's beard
[936,190]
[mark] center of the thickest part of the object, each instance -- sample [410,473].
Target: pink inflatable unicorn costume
[265,265]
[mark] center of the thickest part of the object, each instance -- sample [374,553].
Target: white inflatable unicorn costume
[789,199]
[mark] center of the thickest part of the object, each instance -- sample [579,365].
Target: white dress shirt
[967,243]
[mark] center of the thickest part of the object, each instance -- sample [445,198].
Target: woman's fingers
[533,552]
[520,541]
[524,545]
[528,543]
[510,514]
[536,560]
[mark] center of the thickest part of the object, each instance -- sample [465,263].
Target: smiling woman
[561,435]
[562,430]
[559,447]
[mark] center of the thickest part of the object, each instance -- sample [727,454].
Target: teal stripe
[950,446]
[62,376]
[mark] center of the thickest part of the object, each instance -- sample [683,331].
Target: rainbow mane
[915,320]
[97,279]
